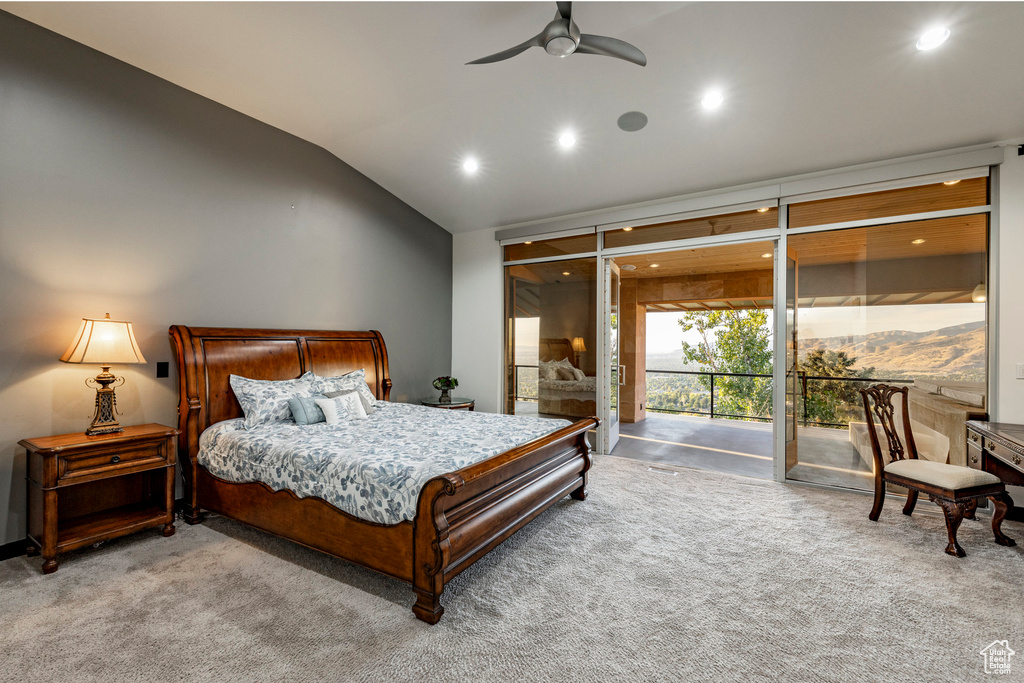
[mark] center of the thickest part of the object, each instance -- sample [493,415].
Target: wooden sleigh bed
[460,516]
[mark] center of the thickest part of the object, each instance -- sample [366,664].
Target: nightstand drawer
[79,466]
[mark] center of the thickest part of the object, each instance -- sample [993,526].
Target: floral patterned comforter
[373,468]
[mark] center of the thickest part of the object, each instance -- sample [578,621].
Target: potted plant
[445,384]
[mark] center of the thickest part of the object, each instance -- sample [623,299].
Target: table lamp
[578,346]
[106,342]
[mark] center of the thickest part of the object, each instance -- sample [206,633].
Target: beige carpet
[694,577]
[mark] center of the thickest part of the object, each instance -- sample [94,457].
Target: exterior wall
[123,193]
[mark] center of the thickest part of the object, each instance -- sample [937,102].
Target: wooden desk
[998,447]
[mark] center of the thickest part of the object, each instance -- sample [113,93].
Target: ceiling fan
[562,38]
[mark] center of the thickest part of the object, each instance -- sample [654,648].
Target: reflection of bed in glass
[562,388]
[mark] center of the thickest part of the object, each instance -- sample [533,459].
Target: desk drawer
[1005,454]
[74,467]
[973,455]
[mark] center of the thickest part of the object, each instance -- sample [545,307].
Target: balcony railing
[526,390]
[807,383]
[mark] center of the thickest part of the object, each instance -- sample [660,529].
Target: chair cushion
[940,474]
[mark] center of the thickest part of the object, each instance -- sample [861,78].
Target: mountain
[957,351]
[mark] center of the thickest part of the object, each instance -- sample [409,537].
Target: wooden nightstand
[86,489]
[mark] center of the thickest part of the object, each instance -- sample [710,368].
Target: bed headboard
[554,348]
[207,356]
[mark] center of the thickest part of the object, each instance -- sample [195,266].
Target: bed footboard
[464,514]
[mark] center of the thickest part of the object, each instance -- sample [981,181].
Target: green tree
[733,341]
[834,401]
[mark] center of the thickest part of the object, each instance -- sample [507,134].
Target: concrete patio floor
[825,456]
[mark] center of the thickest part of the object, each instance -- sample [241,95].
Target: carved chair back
[879,408]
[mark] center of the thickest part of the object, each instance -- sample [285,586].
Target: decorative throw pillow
[578,374]
[565,373]
[352,381]
[366,403]
[344,407]
[546,370]
[266,401]
[564,363]
[305,411]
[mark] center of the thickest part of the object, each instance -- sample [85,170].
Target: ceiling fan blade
[564,10]
[610,47]
[511,52]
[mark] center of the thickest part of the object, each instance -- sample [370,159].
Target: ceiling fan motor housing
[561,37]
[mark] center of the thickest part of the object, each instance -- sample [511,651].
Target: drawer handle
[1016,459]
[116,459]
[974,438]
[974,459]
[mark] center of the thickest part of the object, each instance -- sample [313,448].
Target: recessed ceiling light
[712,99]
[567,139]
[764,209]
[951,182]
[766,255]
[655,265]
[627,229]
[917,241]
[932,38]
[528,242]
[566,272]
[470,165]
[629,266]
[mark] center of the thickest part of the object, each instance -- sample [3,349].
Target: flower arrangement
[446,382]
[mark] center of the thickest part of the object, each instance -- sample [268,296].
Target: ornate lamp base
[105,419]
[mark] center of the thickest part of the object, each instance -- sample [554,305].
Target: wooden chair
[954,488]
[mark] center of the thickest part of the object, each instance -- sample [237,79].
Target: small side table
[86,489]
[456,404]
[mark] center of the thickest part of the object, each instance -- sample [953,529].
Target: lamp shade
[578,345]
[106,341]
[979,295]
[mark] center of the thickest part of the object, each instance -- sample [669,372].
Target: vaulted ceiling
[383,86]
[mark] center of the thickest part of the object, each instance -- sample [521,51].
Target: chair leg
[876,509]
[954,514]
[1002,502]
[908,509]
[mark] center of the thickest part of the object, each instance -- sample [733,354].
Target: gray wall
[123,193]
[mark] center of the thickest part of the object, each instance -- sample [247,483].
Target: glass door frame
[609,278]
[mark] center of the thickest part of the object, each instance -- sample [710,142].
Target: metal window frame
[856,181]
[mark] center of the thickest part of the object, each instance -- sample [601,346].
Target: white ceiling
[809,86]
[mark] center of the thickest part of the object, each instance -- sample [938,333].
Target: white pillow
[579,374]
[266,401]
[565,363]
[353,381]
[344,407]
[565,373]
